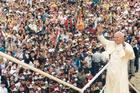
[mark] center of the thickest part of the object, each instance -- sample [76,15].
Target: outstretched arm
[102,39]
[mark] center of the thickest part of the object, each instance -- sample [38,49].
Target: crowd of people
[44,34]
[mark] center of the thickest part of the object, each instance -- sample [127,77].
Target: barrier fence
[39,71]
[59,80]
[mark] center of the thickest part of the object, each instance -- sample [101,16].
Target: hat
[43,87]
[35,77]
[32,51]
[69,16]
[25,72]
[13,88]
[40,77]
[30,87]
[21,77]
[56,89]
[89,77]
[129,21]
[28,72]
[89,52]
[24,49]
[21,88]
[76,79]
[80,39]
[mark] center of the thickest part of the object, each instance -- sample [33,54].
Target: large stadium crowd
[45,35]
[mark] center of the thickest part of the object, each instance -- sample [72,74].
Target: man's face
[2,85]
[118,38]
[23,81]
[32,54]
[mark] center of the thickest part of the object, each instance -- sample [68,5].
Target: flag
[12,26]
[57,40]
[56,37]
[80,24]
[68,23]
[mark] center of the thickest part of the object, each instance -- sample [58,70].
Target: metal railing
[38,71]
[102,89]
[59,80]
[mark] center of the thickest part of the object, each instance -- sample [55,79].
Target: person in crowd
[136,51]
[96,61]
[3,89]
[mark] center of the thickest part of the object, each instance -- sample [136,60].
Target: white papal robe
[117,73]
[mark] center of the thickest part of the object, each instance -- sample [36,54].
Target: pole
[102,89]
[134,88]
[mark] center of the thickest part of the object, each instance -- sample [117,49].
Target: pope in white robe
[117,72]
